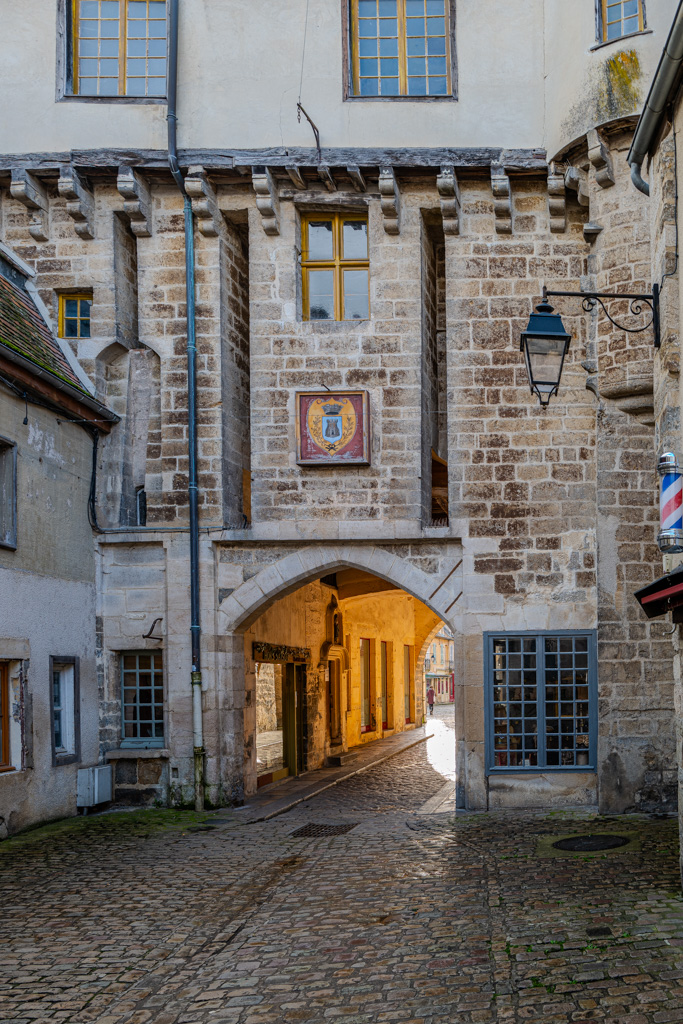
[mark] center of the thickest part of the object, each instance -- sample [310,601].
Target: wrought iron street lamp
[545,342]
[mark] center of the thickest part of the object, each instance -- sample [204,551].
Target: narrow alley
[361,904]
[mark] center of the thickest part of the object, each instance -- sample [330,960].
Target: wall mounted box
[94,786]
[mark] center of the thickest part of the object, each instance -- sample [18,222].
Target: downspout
[193,491]
[660,94]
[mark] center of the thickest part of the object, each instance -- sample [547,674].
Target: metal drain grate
[314,830]
[591,843]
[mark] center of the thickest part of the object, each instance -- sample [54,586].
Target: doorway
[280,732]
[334,701]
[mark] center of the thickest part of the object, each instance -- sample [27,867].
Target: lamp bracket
[638,304]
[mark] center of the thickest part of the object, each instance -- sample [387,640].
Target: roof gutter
[60,385]
[659,96]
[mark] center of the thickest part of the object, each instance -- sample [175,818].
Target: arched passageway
[331,659]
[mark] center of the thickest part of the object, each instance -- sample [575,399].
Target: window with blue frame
[541,700]
[400,48]
[142,703]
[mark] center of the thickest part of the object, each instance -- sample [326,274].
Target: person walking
[430,699]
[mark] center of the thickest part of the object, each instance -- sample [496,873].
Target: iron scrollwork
[638,305]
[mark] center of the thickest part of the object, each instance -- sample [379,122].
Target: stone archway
[252,599]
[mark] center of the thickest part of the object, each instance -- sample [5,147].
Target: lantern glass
[544,358]
[544,344]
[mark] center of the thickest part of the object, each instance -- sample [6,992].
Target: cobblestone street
[409,916]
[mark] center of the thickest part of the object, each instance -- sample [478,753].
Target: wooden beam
[357,179]
[325,176]
[295,176]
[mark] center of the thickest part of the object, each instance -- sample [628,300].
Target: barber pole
[670,539]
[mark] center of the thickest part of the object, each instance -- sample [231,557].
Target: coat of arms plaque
[332,428]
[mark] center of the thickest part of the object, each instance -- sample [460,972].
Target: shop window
[8,493]
[541,691]
[400,48]
[142,702]
[621,18]
[5,760]
[119,48]
[64,698]
[74,316]
[335,267]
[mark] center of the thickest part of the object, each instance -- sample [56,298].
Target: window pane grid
[74,316]
[540,702]
[335,267]
[400,48]
[621,17]
[142,698]
[120,47]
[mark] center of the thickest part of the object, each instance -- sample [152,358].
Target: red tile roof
[23,330]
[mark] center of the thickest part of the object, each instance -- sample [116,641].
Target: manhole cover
[314,830]
[590,843]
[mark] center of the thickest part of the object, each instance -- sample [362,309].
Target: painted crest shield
[332,422]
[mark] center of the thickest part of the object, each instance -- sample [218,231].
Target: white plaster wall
[240,64]
[54,618]
[579,92]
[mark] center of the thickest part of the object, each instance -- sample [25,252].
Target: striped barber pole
[670,539]
[671,502]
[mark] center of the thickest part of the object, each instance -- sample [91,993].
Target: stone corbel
[449,197]
[25,188]
[267,201]
[557,201]
[502,199]
[576,179]
[80,202]
[390,200]
[204,202]
[137,201]
[599,156]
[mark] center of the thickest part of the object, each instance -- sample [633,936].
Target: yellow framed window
[119,47]
[74,316]
[335,267]
[400,47]
[621,17]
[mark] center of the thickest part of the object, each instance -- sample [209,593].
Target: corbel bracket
[576,179]
[137,201]
[599,156]
[204,202]
[325,175]
[80,202]
[449,197]
[295,176]
[557,201]
[502,199]
[26,189]
[356,176]
[390,200]
[267,201]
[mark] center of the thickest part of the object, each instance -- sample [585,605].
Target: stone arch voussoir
[248,601]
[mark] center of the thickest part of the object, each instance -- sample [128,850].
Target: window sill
[63,759]
[142,100]
[575,769]
[7,769]
[620,39]
[128,753]
[401,99]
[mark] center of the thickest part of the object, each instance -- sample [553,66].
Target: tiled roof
[23,330]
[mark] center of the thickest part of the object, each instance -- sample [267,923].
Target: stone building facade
[519,527]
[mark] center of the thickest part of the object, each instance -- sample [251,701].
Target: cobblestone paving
[408,917]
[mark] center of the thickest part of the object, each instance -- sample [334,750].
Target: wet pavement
[382,911]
